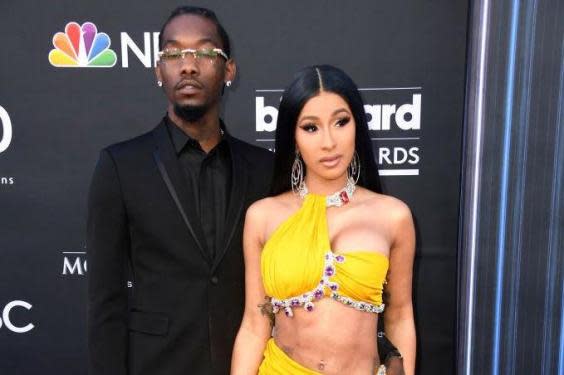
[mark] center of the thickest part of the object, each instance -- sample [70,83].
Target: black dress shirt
[208,176]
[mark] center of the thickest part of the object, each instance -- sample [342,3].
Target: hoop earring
[353,171]
[297,175]
[228,83]
[160,83]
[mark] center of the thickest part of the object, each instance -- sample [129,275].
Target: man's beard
[190,113]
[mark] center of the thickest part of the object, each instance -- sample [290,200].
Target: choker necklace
[336,199]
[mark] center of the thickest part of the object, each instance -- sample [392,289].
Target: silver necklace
[336,199]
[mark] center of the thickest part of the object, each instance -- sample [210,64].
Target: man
[169,206]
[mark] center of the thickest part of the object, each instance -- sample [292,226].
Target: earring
[297,176]
[160,83]
[228,83]
[353,171]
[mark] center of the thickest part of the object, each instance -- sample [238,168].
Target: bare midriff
[331,339]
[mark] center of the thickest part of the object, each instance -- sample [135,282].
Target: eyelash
[310,128]
[343,121]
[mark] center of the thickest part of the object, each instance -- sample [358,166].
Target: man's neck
[206,130]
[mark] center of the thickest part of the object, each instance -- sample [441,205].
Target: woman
[320,249]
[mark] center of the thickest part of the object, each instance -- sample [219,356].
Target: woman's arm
[255,328]
[398,318]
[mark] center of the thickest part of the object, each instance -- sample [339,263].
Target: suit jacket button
[214,280]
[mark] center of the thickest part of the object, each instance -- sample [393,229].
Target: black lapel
[169,167]
[239,180]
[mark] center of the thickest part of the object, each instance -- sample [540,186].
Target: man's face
[190,82]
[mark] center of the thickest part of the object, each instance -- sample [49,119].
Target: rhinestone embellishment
[381,370]
[336,199]
[306,299]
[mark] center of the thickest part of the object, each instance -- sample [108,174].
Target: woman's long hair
[308,83]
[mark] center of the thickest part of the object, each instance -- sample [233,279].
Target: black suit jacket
[184,309]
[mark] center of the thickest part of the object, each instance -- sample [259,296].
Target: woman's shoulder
[395,208]
[266,214]
[269,205]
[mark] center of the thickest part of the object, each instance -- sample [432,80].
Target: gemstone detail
[336,199]
[288,312]
[333,286]
[381,370]
[306,299]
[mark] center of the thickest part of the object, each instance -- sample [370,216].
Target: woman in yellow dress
[319,251]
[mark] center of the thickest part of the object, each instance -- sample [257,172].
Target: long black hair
[308,83]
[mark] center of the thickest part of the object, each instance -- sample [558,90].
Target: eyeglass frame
[192,51]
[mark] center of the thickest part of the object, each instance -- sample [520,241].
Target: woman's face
[325,136]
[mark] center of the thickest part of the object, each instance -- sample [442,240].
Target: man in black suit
[168,206]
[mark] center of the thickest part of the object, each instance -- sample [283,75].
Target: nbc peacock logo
[82,47]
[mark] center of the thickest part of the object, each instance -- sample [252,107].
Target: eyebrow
[335,112]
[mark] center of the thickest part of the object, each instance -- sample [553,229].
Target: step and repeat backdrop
[77,76]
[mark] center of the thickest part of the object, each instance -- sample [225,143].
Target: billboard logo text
[380,117]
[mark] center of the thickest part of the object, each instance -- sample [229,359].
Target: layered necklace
[338,198]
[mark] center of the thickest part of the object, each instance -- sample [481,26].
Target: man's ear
[230,70]
[158,73]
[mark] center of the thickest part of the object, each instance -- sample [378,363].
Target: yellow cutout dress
[299,267]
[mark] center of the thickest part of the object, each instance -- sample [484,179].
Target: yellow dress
[299,267]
